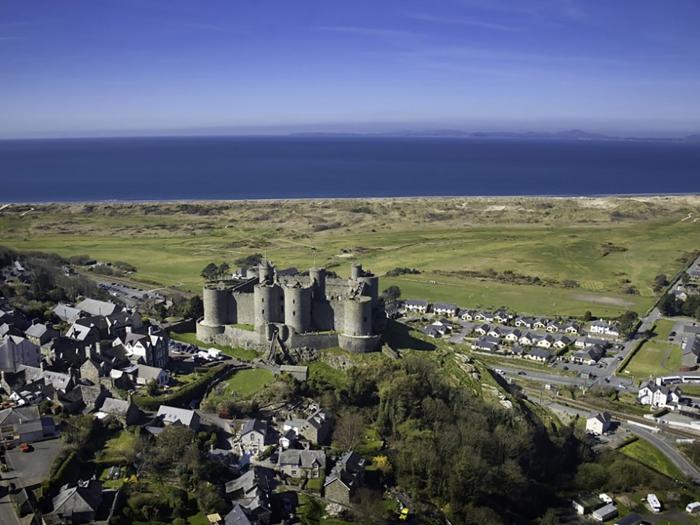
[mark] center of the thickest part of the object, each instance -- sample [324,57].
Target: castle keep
[294,311]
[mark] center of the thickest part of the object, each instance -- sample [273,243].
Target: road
[668,450]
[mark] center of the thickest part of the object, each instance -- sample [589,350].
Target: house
[237,516]
[66,313]
[527,340]
[302,463]
[150,348]
[502,317]
[658,395]
[16,351]
[495,332]
[561,342]
[554,327]
[482,329]
[583,342]
[438,328]
[524,322]
[486,344]
[179,416]
[540,324]
[78,503]
[448,309]
[572,328]
[125,411]
[467,315]
[416,305]
[513,335]
[315,429]
[24,425]
[589,356]
[539,354]
[40,333]
[95,307]
[605,513]
[586,504]
[145,374]
[488,317]
[345,477]
[603,327]
[254,436]
[300,373]
[598,424]
[82,399]
[517,350]
[546,341]
[251,492]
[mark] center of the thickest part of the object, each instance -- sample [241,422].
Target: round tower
[318,280]
[355,271]
[266,272]
[371,286]
[297,308]
[218,306]
[358,316]
[267,303]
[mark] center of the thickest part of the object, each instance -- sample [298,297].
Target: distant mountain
[566,135]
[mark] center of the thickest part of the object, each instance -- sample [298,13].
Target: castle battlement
[314,310]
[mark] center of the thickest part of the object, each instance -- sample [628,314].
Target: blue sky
[83,67]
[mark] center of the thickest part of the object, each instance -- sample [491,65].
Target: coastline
[272,200]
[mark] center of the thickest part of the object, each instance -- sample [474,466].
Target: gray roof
[66,313]
[174,414]
[149,372]
[254,425]
[115,407]
[96,307]
[83,497]
[236,517]
[540,352]
[302,458]
[444,306]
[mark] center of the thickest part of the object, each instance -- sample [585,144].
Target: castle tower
[318,280]
[358,316]
[356,271]
[266,272]
[218,306]
[297,308]
[267,301]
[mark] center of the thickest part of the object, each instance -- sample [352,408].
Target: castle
[267,308]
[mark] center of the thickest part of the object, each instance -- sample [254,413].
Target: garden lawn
[647,454]
[245,383]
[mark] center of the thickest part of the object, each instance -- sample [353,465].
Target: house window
[294,312]
[263,311]
[262,299]
[294,301]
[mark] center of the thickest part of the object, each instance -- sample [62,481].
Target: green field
[647,454]
[245,383]
[553,240]
[655,356]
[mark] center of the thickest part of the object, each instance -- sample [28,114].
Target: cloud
[461,22]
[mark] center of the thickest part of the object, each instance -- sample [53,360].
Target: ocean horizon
[148,169]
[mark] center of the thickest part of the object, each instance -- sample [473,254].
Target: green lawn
[554,239]
[244,354]
[647,454]
[653,359]
[245,383]
[655,356]
[118,447]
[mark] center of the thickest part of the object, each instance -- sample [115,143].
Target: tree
[210,271]
[392,293]
[628,322]
[587,316]
[224,270]
[660,282]
[152,388]
[348,430]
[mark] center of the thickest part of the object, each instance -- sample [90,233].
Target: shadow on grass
[398,336]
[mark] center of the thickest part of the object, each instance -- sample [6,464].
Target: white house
[572,328]
[598,424]
[416,305]
[482,330]
[554,327]
[561,342]
[540,324]
[172,415]
[545,342]
[524,322]
[539,354]
[527,340]
[658,395]
[603,327]
[513,335]
[445,309]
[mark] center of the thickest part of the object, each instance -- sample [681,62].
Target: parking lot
[31,468]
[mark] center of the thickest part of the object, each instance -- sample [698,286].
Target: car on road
[522,373]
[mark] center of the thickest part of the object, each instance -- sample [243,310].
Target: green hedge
[182,396]
[63,470]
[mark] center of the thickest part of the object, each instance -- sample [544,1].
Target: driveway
[31,468]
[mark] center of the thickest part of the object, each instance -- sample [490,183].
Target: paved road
[542,377]
[668,450]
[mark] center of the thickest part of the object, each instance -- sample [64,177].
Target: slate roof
[302,458]
[96,307]
[66,313]
[84,497]
[115,407]
[173,414]
[237,517]
[254,425]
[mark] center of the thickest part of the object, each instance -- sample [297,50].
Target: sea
[194,168]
